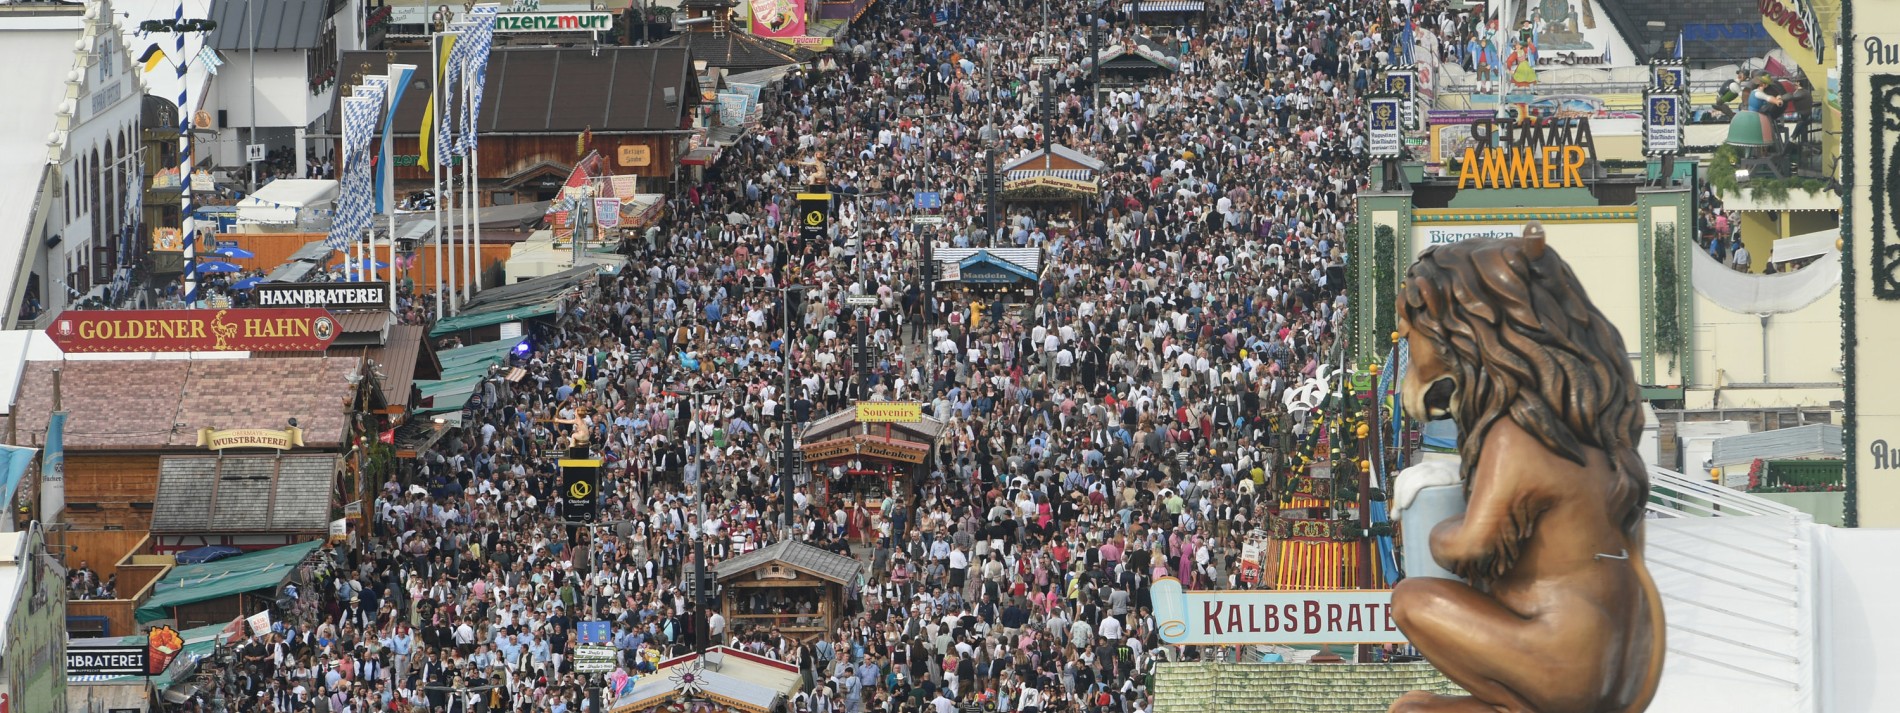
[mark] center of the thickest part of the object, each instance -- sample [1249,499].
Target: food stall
[788,586]
[861,455]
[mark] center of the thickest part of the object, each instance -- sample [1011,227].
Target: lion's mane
[1518,333]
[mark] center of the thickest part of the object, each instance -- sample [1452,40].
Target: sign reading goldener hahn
[334,295]
[554,22]
[193,330]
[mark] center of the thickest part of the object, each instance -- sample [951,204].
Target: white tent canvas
[298,202]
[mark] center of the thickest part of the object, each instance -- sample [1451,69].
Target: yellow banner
[890,411]
[814,196]
[250,438]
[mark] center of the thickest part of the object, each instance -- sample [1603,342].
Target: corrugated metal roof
[278,24]
[539,90]
[404,357]
[1818,440]
[824,563]
[250,494]
[738,51]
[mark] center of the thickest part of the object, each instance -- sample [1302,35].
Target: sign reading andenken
[554,22]
[106,661]
[333,295]
[1233,618]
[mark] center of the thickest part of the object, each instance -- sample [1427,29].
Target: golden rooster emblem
[222,330]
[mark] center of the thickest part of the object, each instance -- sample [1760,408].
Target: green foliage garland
[1721,173]
[1663,258]
[1385,267]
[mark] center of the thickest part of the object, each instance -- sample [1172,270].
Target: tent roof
[245,494]
[1796,247]
[1816,440]
[278,25]
[824,563]
[187,584]
[293,193]
[462,370]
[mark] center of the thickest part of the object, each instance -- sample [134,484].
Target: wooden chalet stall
[862,455]
[1054,183]
[542,103]
[1135,60]
[788,586]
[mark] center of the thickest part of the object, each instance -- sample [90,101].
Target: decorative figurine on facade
[1556,612]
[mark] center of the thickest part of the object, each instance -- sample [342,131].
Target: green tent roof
[202,582]
[471,320]
[462,371]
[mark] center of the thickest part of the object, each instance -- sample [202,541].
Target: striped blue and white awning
[1072,174]
[1167,6]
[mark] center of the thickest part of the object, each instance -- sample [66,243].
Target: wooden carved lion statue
[1559,614]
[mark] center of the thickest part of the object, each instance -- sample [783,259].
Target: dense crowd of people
[1102,427]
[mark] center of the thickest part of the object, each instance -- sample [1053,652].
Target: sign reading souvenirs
[1236,617]
[1662,123]
[1542,153]
[106,660]
[554,22]
[890,411]
[198,330]
[1387,138]
[580,481]
[345,295]
[217,440]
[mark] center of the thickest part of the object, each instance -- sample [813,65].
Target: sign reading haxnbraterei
[334,295]
[106,660]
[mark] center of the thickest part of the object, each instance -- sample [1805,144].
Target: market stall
[861,456]
[789,587]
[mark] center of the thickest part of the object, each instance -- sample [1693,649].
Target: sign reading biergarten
[1233,617]
[201,330]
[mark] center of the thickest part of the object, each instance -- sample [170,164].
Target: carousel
[722,680]
[864,456]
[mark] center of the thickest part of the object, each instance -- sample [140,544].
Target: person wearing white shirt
[1111,628]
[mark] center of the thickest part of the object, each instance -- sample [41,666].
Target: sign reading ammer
[334,295]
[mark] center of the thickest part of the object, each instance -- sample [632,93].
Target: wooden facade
[110,491]
[525,169]
[748,598]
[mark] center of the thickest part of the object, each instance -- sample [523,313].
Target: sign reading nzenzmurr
[554,22]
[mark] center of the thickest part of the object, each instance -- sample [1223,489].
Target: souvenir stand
[861,455]
[788,586]
[1054,182]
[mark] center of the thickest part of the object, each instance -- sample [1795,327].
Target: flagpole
[187,230]
[468,205]
[427,148]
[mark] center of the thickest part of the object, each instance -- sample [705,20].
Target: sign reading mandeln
[1233,617]
[346,295]
[554,22]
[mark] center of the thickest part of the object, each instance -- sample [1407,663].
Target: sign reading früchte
[335,295]
[193,330]
[1232,618]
